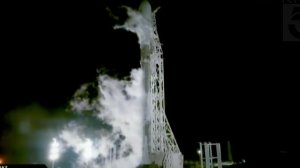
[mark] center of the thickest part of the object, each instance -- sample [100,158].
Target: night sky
[228,75]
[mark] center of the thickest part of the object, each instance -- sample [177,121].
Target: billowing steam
[114,139]
[118,109]
[105,125]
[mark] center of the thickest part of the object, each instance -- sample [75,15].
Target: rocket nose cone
[145,9]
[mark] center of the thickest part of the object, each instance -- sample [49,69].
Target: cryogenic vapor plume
[105,128]
[115,139]
[112,135]
[140,23]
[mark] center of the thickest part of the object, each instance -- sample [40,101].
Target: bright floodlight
[54,150]
[199,152]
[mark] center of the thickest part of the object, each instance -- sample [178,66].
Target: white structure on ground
[210,153]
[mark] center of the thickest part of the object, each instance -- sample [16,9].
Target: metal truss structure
[160,145]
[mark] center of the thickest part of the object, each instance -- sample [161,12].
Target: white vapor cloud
[119,106]
[112,133]
[139,24]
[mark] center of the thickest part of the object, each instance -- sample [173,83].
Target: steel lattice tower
[160,145]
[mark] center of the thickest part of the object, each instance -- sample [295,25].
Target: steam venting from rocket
[115,139]
[103,126]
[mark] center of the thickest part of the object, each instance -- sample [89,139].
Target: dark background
[228,74]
